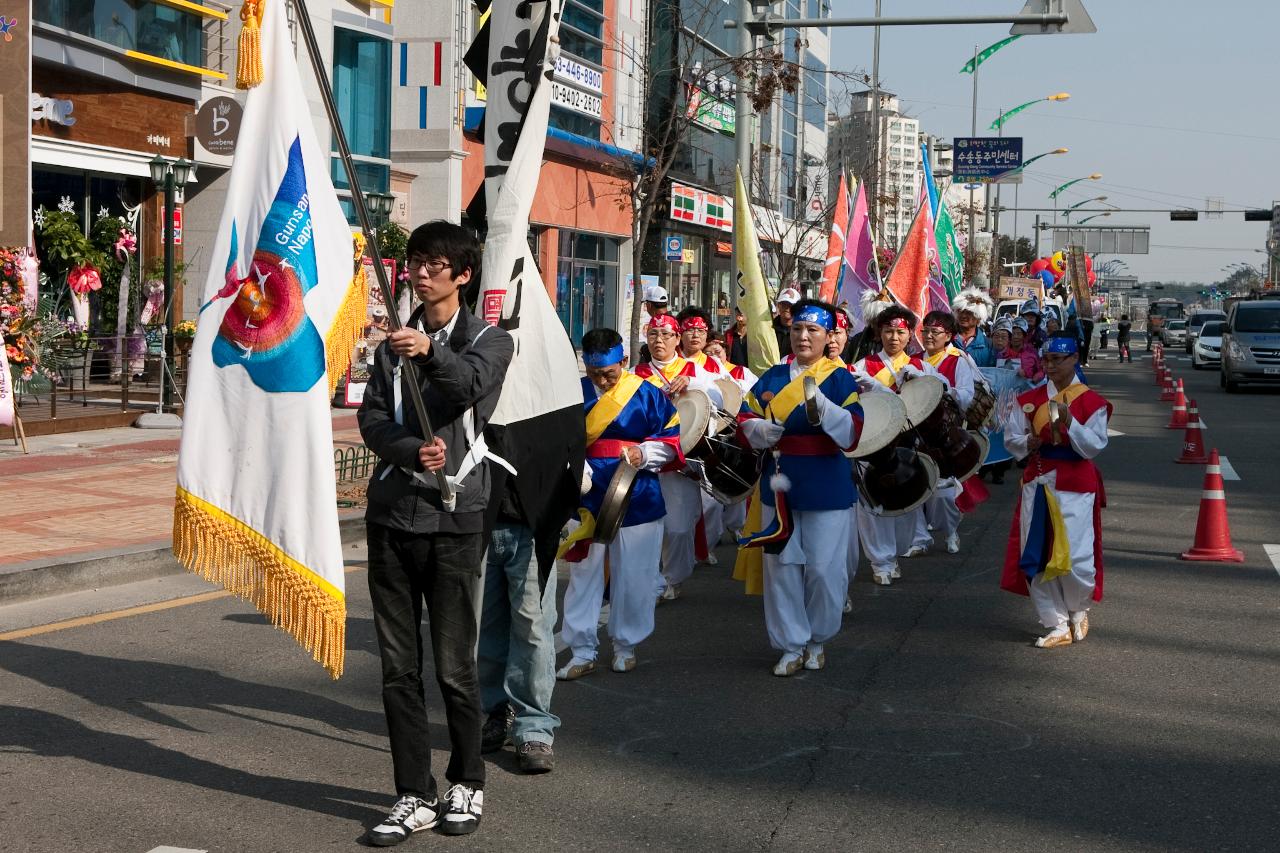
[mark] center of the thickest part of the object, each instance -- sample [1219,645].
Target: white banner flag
[256,508]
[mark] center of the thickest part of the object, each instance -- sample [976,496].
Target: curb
[91,570]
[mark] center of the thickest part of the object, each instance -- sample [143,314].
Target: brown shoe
[573,671]
[535,757]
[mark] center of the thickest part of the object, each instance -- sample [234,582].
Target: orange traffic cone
[1213,533]
[1160,370]
[1178,420]
[1193,443]
[1168,392]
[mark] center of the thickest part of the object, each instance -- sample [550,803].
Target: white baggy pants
[684,509]
[805,585]
[1057,599]
[941,510]
[879,537]
[712,519]
[633,573]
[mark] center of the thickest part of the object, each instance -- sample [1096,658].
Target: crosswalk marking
[1228,473]
[167,849]
[1273,552]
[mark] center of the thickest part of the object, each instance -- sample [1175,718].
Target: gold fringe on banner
[249,70]
[347,329]
[226,551]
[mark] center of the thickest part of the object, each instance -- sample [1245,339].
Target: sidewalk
[106,493]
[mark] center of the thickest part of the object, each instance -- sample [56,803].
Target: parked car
[1199,318]
[1208,347]
[1174,333]
[1251,344]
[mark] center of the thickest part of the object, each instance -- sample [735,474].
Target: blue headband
[603,359]
[1066,346]
[817,315]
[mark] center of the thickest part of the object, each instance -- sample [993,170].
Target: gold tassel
[348,323]
[224,550]
[249,71]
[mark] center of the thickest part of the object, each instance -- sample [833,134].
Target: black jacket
[783,334]
[468,373]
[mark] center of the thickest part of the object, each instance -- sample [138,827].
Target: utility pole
[971,245]
[875,125]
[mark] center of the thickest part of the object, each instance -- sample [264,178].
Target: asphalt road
[936,726]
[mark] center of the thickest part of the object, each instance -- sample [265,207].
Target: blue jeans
[516,653]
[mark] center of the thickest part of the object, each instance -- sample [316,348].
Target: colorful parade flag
[862,269]
[753,297]
[950,258]
[834,266]
[281,311]
[908,280]
[938,300]
[538,423]
[929,184]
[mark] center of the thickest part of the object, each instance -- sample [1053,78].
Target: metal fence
[352,464]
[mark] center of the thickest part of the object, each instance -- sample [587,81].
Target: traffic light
[1258,215]
[1193,215]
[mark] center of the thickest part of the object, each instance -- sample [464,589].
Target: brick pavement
[78,494]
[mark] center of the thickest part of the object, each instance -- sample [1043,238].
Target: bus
[1159,311]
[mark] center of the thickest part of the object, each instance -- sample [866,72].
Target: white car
[1207,350]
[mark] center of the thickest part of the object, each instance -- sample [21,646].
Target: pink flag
[937,286]
[861,272]
[835,244]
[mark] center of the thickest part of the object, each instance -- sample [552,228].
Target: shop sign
[218,124]
[575,99]
[689,256]
[710,112]
[675,247]
[177,226]
[699,207]
[724,247]
[578,74]
[52,110]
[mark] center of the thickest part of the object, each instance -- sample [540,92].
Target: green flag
[972,64]
[950,258]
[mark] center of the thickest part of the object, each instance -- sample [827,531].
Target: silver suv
[1251,345]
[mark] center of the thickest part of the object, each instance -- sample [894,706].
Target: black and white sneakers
[462,810]
[409,815]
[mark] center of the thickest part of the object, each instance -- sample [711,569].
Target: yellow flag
[1059,562]
[753,297]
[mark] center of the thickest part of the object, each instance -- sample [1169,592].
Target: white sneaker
[463,814]
[711,560]
[1060,636]
[624,662]
[848,604]
[915,551]
[895,573]
[575,669]
[789,664]
[882,579]
[814,657]
[953,543]
[1079,625]
[409,815]
[670,592]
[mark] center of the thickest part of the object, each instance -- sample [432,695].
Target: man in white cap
[782,322]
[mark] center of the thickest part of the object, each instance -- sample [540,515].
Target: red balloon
[1088,262]
[1092,277]
[1037,265]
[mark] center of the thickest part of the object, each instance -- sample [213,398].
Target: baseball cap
[656,294]
[789,295]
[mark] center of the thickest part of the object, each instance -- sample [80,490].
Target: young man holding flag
[420,553]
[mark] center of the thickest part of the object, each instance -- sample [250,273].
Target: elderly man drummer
[626,417]
[888,370]
[806,488]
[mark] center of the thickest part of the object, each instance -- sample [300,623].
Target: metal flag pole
[447,496]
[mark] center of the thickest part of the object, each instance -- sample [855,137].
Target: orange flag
[835,244]
[909,279]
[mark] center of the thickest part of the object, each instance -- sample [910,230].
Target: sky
[1173,102]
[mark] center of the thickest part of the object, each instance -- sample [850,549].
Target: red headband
[694,322]
[842,320]
[897,323]
[664,320]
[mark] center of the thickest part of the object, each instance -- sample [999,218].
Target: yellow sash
[611,404]
[937,357]
[700,359]
[671,371]
[792,395]
[1067,395]
[886,376]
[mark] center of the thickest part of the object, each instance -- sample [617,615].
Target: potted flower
[183,335]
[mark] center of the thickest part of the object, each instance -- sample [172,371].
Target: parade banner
[862,269]
[1014,287]
[834,266]
[1078,276]
[908,280]
[1006,385]
[538,425]
[281,311]
[753,296]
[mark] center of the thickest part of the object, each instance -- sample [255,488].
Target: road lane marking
[1273,551]
[167,849]
[1228,473]
[140,610]
[1112,433]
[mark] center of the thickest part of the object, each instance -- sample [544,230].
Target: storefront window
[586,282]
[362,91]
[140,25]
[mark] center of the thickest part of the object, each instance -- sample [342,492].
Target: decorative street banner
[709,111]
[983,159]
[15,122]
[281,313]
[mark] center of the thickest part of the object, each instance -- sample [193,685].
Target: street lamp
[1004,116]
[1067,212]
[1095,216]
[168,176]
[380,206]
[1096,176]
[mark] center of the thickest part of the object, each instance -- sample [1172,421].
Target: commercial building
[580,224]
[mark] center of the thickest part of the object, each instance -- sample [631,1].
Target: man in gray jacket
[419,553]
